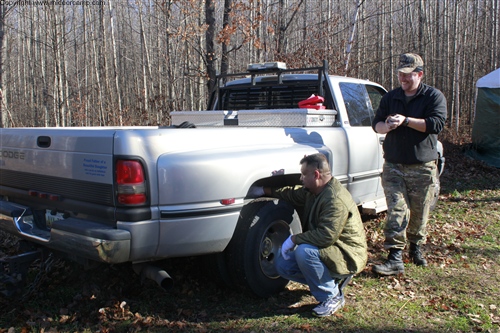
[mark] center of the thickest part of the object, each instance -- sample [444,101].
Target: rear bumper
[74,236]
[178,233]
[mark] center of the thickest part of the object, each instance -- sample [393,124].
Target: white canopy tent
[491,80]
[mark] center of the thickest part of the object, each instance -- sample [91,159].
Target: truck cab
[268,90]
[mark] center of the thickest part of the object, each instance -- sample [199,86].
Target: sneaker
[330,306]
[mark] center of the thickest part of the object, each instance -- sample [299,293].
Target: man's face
[309,176]
[410,81]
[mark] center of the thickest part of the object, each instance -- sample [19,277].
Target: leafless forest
[125,62]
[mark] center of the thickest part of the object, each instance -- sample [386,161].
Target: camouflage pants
[408,190]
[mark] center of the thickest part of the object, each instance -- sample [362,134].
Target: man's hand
[287,246]
[394,120]
[255,191]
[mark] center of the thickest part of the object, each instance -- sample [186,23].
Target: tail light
[131,182]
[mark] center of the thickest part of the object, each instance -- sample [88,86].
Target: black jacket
[405,145]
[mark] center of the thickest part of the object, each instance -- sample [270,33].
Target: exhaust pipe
[154,273]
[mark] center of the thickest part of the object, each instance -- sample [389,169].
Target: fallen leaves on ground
[115,296]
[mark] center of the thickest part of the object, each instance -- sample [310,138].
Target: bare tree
[353,32]
[4,11]
[209,43]
[226,21]
[115,64]
[132,62]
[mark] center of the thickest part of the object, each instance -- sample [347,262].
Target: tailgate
[52,165]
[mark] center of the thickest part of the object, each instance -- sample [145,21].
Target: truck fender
[216,174]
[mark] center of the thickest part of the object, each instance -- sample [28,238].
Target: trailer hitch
[14,270]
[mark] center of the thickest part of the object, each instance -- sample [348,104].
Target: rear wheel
[250,256]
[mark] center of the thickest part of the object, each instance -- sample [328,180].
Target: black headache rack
[272,92]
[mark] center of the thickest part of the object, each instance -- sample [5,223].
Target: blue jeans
[305,266]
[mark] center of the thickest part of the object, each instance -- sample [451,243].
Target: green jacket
[330,221]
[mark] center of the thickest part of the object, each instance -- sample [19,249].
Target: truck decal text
[95,167]
[18,155]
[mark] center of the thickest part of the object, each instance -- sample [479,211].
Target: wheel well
[253,206]
[279,181]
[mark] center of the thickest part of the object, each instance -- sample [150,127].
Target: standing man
[412,116]
[332,247]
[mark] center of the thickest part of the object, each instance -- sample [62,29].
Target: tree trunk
[97,74]
[226,21]
[351,38]
[209,44]
[115,65]
[4,10]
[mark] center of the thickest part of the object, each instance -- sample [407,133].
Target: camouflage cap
[410,62]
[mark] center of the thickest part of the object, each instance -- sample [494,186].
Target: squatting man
[332,246]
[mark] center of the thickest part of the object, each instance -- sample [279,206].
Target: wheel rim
[274,236]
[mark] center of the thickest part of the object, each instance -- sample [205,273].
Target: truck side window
[375,94]
[359,102]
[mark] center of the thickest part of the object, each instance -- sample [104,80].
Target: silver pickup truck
[141,194]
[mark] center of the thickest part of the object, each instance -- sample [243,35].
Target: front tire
[263,226]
